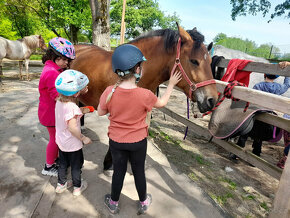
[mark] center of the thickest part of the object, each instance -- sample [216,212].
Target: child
[56,59]
[275,88]
[70,84]
[128,106]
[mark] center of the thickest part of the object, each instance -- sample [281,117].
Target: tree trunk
[101,23]
[74,34]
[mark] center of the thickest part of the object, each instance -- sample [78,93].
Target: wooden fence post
[281,206]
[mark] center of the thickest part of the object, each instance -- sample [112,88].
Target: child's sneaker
[282,162]
[143,206]
[49,171]
[113,206]
[61,188]
[78,190]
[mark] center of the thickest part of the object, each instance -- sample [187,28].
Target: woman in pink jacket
[57,59]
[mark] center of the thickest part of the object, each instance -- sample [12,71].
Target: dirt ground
[240,189]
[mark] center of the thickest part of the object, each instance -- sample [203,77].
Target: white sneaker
[61,188]
[78,190]
[50,171]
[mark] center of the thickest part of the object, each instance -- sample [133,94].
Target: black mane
[171,37]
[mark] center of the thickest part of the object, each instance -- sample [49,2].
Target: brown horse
[161,49]
[165,50]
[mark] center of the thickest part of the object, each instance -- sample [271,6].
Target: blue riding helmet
[125,57]
[69,82]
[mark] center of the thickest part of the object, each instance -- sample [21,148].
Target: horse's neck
[156,68]
[31,42]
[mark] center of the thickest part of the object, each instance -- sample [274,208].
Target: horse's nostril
[210,102]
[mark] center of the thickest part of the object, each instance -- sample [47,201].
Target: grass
[35,57]
[221,199]
[231,184]
[265,206]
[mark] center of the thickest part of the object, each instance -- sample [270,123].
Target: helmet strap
[137,76]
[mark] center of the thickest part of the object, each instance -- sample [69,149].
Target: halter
[192,86]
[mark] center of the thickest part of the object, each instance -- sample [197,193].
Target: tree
[101,23]
[141,16]
[61,17]
[219,37]
[244,7]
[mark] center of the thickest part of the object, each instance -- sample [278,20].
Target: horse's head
[197,82]
[41,43]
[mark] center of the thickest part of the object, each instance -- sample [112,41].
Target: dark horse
[164,50]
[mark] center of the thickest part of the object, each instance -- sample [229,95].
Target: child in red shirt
[128,106]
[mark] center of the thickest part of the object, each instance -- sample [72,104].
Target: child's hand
[87,109]
[86,140]
[175,78]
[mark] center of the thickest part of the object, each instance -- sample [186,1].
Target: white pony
[21,50]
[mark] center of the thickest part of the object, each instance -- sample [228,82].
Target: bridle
[192,86]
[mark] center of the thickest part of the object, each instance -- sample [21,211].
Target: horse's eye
[194,62]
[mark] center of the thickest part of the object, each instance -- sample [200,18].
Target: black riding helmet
[125,57]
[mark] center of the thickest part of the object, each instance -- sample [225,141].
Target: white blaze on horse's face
[205,55]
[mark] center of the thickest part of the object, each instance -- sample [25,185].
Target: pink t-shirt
[128,109]
[63,113]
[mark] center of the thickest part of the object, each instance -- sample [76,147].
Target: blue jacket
[274,88]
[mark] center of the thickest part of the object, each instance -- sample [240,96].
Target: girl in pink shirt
[128,106]
[70,84]
[60,52]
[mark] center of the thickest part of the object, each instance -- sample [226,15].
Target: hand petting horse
[21,50]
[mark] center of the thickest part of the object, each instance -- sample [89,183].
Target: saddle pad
[229,119]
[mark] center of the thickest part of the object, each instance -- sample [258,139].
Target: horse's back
[11,49]
[96,63]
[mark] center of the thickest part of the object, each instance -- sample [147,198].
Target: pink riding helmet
[63,46]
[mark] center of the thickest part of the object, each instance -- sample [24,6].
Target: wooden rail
[281,206]
[231,147]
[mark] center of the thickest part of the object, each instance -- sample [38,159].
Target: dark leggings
[136,154]
[73,159]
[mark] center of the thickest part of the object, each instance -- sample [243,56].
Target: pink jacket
[48,93]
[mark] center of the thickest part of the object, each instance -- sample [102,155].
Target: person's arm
[174,79]
[75,131]
[285,86]
[102,112]
[284,64]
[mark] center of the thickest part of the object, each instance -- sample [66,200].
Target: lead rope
[186,130]
[228,94]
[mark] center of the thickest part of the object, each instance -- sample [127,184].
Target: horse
[20,49]
[257,130]
[165,51]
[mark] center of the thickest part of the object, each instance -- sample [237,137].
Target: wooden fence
[266,100]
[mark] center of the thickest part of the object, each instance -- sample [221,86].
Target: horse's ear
[209,47]
[194,29]
[183,34]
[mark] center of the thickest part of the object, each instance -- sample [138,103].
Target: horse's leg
[108,161]
[20,69]
[257,147]
[83,117]
[1,72]
[26,62]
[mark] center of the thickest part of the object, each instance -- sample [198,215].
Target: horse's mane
[30,41]
[171,37]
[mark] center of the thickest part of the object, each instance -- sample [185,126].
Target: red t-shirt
[128,109]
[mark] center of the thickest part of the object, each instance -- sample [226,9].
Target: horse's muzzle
[206,105]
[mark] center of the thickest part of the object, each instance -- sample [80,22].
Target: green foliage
[248,46]
[244,7]
[140,16]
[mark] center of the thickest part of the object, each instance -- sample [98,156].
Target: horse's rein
[192,86]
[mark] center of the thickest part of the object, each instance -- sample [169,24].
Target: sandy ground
[24,192]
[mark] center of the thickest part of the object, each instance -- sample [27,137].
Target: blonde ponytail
[113,90]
